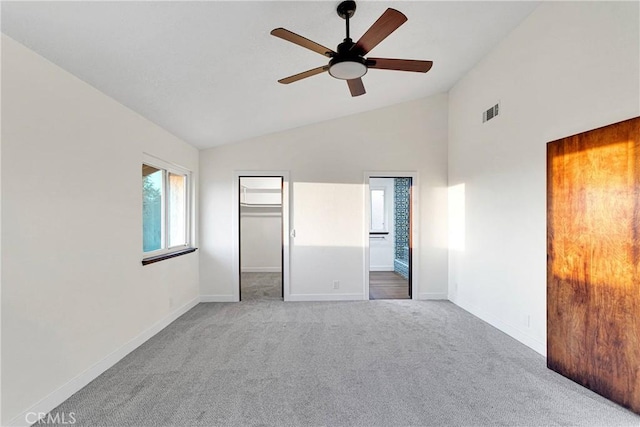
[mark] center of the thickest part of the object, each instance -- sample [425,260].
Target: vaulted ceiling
[208,71]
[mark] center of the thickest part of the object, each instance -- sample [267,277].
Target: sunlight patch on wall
[456,204]
[328,214]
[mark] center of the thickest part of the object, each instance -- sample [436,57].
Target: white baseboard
[381,268]
[218,298]
[432,296]
[325,297]
[58,396]
[506,327]
[261,269]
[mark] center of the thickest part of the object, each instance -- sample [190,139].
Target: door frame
[414,246]
[285,228]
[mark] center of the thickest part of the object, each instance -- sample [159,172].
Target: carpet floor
[362,363]
[260,286]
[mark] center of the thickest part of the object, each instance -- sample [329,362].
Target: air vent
[490,113]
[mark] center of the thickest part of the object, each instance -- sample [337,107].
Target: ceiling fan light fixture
[347,70]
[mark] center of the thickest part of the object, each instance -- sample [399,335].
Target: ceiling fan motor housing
[347,64]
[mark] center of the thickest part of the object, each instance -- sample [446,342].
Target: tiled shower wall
[402,188]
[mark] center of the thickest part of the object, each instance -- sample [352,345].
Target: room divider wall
[593,260]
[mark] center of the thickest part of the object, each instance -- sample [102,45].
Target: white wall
[261,233]
[74,292]
[381,247]
[327,162]
[569,67]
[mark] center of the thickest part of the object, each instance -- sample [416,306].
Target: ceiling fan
[349,62]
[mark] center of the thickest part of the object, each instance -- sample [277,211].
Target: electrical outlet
[336,284]
[170,302]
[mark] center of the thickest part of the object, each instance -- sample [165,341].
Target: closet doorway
[260,238]
[390,237]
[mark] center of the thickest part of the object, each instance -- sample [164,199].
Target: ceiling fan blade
[390,20]
[302,41]
[303,75]
[356,87]
[399,64]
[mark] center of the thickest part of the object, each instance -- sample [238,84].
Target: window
[378,211]
[152,184]
[165,208]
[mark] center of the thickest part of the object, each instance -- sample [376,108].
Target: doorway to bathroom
[390,237]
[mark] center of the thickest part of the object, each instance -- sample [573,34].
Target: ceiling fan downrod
[345,10]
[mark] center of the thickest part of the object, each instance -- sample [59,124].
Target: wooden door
[593,256]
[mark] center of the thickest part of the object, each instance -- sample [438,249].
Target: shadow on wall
[317,270]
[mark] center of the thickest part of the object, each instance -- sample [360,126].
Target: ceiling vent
[490,113]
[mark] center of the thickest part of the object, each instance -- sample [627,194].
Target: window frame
[165,250]
[385,219]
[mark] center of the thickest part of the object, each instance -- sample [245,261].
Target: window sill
[162,257]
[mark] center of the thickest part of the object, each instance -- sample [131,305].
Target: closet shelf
[260,205]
